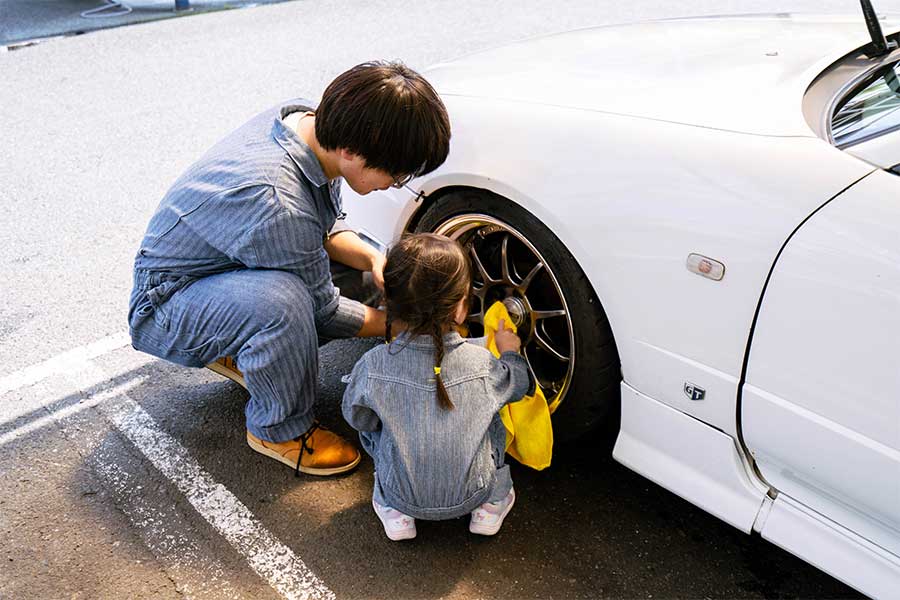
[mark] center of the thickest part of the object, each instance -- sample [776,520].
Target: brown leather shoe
[321,452]
[227,367]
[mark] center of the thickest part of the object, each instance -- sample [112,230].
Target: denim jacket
[258,199]
[433,463]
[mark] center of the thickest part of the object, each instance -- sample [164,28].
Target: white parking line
[170,536]
[272,560]
[70,410]
[72,360]
[24,403]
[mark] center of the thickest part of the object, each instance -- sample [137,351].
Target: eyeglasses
[401,181]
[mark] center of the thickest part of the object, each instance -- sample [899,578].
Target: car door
[820,409]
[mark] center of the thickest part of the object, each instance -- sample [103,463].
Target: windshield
[870,110]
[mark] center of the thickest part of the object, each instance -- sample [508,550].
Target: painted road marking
[72,360]
[197,573]
[70,410]
[18,407]
[171,536]
[272,560]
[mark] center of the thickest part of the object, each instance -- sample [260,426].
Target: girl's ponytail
[426,276]
[388,319]
[442,397]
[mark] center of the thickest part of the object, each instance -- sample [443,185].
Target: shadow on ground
[586,527]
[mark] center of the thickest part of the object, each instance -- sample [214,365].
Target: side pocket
[159,295]
[140,309]
[201,354]
[161,317]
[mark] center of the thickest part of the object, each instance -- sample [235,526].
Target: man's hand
[378,262]
[347,248]
[374,322]
[506,340]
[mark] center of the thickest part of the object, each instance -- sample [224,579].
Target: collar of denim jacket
[296,148]
[451,339]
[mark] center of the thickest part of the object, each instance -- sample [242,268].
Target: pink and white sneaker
[488,518]
[397,526]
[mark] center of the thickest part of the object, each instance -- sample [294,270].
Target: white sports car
[696,225]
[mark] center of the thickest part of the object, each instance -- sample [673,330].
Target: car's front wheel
[565,334]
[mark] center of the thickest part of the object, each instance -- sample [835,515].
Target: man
[237,259]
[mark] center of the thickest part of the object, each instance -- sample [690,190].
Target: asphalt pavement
[24,22]
[122,476]
[130,477]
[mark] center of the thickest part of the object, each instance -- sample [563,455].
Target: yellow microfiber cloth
[529,433]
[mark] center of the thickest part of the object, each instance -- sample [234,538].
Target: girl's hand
[506,340]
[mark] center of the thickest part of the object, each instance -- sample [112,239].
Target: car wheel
[566,337]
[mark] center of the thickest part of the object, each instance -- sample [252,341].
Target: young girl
[426,403]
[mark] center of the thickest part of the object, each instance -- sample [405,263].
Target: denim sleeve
[292,241]
[355,407]
[339,226]
[510,379]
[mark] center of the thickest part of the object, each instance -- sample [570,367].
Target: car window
[871,110]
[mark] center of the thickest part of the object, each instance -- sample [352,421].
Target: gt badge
[694,392]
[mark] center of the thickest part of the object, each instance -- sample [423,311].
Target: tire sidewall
[588,400]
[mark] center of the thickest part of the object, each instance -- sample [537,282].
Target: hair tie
[437,370]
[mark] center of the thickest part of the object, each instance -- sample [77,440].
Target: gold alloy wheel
[507,267]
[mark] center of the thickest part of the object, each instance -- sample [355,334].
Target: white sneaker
[488,518]
[397,526]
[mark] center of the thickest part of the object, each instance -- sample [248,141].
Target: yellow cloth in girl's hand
[529,433]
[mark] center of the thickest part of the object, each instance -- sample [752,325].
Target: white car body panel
[634,225]
[821,406]
[883,151]
[705,467]
[695,71]
[634,170]
[834,549]
[695,461]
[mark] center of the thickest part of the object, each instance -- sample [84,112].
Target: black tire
[590,395]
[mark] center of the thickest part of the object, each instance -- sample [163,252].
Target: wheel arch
[605,413]
[510,195]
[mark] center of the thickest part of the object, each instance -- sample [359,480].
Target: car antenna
[879,44]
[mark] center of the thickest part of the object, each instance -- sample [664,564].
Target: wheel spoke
[530,368]
[546,314]
[543,343]
[552,386]
[480,266]
[504,261]
[554,389]
[523,285]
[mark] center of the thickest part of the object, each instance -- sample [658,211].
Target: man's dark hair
[388,114]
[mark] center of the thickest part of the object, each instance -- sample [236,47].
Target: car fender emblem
[694,392]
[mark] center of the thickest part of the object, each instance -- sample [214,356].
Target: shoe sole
[235,376]
[493,529]
[397,536]
[308,470]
